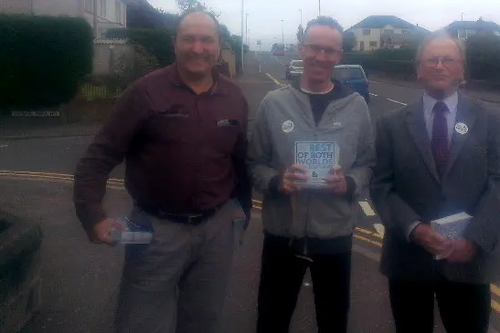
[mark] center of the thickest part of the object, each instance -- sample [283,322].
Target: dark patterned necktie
[439,143]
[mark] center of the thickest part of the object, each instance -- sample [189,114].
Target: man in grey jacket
[310,227]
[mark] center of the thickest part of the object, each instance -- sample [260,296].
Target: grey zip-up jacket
[284,117]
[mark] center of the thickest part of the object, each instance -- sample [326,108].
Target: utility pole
[242,32]
[463,16]
[283,32]
[300,10]
[319,7]
[94,10]
[246,27]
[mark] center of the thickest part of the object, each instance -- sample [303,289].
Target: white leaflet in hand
[452,226]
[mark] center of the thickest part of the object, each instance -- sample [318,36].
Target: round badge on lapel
[461,128]
[287,126]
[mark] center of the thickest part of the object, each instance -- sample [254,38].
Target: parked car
[354,77]
[294,69]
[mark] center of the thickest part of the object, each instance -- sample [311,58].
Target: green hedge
[42,60]
[483,54]
[157,42]
[398,62]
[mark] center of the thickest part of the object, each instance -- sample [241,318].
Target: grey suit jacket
[406,188]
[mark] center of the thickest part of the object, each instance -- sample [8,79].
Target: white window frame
[103,8]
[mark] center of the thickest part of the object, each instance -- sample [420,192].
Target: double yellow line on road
[113,183]
[373,238]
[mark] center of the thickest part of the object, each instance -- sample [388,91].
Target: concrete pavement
[81,279]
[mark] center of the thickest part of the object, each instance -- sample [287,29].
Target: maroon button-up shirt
[184,153]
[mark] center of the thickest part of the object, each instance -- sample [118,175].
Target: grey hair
[440,34]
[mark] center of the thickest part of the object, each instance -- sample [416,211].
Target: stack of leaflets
[452,226]
[131,233]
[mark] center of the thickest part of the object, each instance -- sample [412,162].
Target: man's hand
[336,182]
[295,172]
[101,232]
[430,240]
[462,251]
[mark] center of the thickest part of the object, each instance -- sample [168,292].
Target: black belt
[186,218]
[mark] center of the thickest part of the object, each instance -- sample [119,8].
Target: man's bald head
[197,43]
[195,15]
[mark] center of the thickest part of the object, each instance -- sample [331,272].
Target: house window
[89,5]
[102,8]
[404,31]
[366,32]
[373,44]
[389,31]
[119,14]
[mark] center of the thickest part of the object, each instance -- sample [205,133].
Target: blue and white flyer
[319,157]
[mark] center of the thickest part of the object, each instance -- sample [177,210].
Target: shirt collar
[450,101]
[216,88]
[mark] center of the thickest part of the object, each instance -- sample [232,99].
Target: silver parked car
[294,69]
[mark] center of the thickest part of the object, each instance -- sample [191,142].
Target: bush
[42,60]
[157,42]
[483,54]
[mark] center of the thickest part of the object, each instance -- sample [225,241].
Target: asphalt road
[80,279]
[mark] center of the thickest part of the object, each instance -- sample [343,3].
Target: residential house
[389,31]
[106,13]
[464,29]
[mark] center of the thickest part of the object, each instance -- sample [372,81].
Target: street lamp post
[246,28]
[283,32]
[242,31]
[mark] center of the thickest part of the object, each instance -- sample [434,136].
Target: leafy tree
[300,33]
[185,5]
[349,41]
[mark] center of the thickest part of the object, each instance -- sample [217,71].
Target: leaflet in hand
[132,233]
[451,227]
[319,157]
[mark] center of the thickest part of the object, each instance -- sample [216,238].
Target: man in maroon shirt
[182,132]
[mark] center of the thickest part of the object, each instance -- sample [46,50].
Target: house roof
[476,25]
[380,21]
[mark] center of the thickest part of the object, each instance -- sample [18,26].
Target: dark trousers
[281,278]
[463,307]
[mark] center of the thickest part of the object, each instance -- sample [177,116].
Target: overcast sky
[264,20]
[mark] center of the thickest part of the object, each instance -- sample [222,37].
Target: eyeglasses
[446,61]
[329,51]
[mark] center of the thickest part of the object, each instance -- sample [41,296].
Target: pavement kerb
[44,136]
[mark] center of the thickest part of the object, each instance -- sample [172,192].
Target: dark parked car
[354,77]
[294,69]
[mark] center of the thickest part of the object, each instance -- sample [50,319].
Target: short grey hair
[441,34]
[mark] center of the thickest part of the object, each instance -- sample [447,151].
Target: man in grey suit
[437,157]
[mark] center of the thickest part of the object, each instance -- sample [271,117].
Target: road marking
[364,231]
[380,229]
[373,94]
[365,239]
[50,175]
[394,101]
[495,290]
[367,209]
[274,80]
[278,60]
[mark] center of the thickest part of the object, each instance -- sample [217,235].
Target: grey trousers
[177,283]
